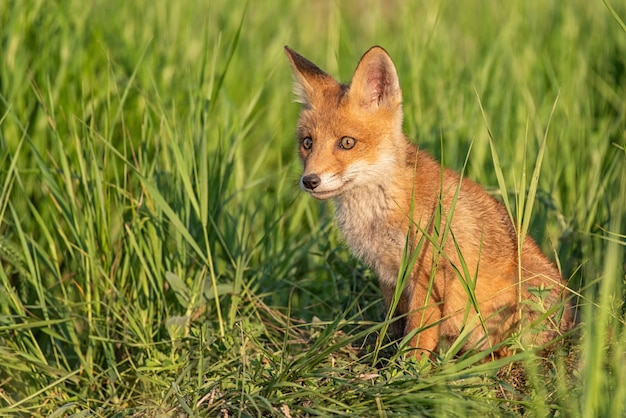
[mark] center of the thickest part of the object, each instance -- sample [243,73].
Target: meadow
[157,257]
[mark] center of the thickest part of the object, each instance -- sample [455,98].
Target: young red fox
[392,199]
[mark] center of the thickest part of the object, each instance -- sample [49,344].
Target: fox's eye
[307,143]
[347,142]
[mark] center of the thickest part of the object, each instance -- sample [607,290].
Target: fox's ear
[375,81]
[310,79]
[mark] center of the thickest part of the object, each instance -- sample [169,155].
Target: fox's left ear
[375,81]
[310,79]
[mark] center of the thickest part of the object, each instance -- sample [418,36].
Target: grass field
[158,259]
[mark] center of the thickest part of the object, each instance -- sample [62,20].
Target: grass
[157,258]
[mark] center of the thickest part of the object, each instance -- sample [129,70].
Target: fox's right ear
[375,81]
[310,79]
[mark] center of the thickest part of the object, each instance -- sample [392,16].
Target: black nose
[311,181]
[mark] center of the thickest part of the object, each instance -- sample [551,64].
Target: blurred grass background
[157,258]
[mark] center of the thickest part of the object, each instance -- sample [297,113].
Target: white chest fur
[363,215]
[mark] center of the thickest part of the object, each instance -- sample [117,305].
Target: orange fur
[353,150]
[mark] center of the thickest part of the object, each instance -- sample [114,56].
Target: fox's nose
[311,181]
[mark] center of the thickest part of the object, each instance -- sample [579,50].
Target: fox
[393,201]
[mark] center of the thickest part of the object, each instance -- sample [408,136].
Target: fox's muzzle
[310,181]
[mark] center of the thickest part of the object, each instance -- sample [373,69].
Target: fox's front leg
[398,327]
[425,315]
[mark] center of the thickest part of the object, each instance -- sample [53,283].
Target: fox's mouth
[323,195]
[331,187]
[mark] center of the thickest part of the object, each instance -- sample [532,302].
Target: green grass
[157,257]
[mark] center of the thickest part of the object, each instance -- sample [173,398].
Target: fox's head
[348,133]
